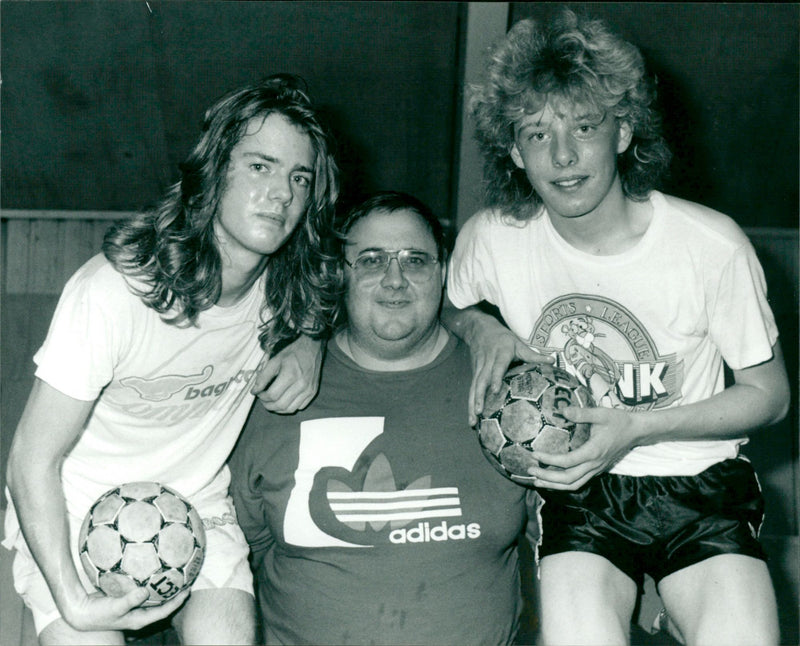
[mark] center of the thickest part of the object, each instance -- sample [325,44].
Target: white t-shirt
[653,323]
[171,401]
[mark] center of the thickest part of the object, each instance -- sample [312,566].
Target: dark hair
[172,249]
[389,202]
[580,60]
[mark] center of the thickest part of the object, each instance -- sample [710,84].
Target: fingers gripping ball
[142,534]
[525,416]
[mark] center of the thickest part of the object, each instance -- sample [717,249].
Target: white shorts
[225,564]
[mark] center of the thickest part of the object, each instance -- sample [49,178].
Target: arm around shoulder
[493,347]
[288,381]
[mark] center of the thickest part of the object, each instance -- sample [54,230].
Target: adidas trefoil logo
[380,504]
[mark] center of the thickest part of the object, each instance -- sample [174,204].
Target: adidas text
[424,533]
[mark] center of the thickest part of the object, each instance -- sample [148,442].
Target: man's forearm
[42,516]
[50,424]
[735,412]
[465,322]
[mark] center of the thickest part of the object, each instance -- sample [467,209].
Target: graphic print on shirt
[345,495]
[175,389]
[163,387]
[609,350]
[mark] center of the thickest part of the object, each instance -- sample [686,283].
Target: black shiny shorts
[657,524]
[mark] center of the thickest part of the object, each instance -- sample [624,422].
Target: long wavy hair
[577,59]
[172,249]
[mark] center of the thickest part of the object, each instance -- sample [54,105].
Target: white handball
[142,534]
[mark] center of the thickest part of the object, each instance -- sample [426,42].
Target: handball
[525,416]
[142,534]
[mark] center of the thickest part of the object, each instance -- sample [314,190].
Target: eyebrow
[533,124]
[275,160]
[598,116]
[370,249]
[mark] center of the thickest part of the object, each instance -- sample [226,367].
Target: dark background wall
[101,100]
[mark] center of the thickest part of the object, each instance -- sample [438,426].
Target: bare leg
[726,599]
[221,616]
[585,600]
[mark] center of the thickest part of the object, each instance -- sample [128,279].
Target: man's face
[570,156]
[391,314]
[267,190]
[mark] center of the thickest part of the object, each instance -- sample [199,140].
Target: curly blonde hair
[577,59]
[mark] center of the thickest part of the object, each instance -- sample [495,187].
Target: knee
[217,617]
[219,632]
[710,634]
[711,621]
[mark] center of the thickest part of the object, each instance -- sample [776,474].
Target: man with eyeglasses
[372,515]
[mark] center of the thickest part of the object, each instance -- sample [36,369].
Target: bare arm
[492,347]
[51,423]
[758,398]
[288,381]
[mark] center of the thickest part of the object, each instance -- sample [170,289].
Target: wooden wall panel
[78,243]
[16,235]
[42,253]
[44,261]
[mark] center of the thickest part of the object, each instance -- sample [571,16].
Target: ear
[624,136]
[517,157]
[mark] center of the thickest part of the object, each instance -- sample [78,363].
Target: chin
[394,335]
[572,211]
[269,248]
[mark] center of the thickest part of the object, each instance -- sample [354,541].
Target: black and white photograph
[399,323]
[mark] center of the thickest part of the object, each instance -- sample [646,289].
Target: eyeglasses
[415,265]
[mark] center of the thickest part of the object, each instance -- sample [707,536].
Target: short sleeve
[469,264]
[742,324]
[79,352]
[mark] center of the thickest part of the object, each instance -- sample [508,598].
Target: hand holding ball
[142,534]
[526,416]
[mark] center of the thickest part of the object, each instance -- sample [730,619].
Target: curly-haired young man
[643,296]
[147,370]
